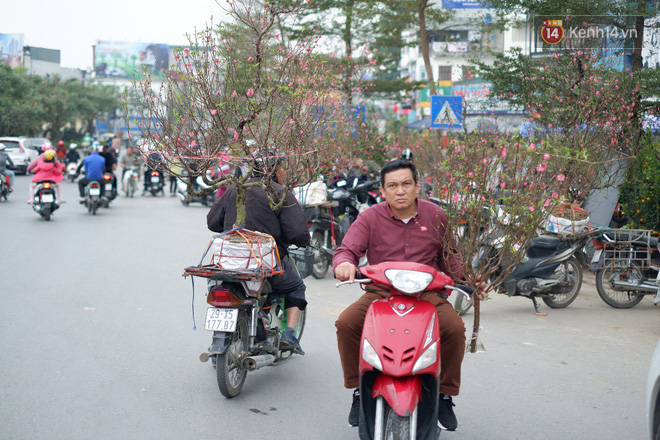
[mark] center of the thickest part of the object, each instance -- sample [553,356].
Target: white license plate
[155,179]
[596,256]
[221,320]
[108,186]
[94,191]
[47,198]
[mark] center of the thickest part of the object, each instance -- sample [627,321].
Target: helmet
[2,147]
[60,143]
[407,154]
[49,154]
[73,146]
[46,146]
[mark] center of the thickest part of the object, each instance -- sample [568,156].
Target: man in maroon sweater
[403,228]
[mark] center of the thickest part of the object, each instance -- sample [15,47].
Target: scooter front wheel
[321,261]
[230,370]
[396,426]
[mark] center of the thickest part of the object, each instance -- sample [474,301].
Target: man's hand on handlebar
[346,272]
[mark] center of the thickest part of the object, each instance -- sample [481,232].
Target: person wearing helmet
[4,161]
[72,156]
[45,147]
[94,165]
[48,169]
[407,155]
[60,151]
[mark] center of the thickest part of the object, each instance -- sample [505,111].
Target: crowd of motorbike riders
[399,185]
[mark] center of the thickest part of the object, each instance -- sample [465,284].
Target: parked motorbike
[400,353]
[187,199]
[627,263]
[552,270]
[246,318]
[347,198]
[71,171]
[156,183]
[4,187]
[130,180]
[45,199]
[93,198]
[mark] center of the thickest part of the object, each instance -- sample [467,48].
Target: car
[653,396]
[35,143]
[19,153]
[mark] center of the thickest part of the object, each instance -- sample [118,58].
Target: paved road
[97,341]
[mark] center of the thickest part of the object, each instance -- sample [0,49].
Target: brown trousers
[452,339]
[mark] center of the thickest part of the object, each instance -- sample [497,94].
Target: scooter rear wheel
[230,370]
[564,294]
[619,299]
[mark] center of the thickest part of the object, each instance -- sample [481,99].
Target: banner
[11,49]
[123,60]
[480,101]
[463,4]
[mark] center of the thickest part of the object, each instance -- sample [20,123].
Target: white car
[19,153]
[653,396]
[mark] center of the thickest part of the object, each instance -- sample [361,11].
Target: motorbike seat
[546,242]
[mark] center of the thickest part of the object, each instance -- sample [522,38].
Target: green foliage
[19,102]
[30,102]
[640,194]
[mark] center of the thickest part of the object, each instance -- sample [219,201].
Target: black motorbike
[93,199]
[109,189]
[552,270]
[155,183]
[45,199]
[346,199]
[4,187]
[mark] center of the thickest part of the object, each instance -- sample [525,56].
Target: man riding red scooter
[409,230]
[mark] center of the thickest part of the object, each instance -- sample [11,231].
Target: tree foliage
[32,105]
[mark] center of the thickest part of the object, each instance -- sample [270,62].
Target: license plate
[155,179]
[47,198]
[221,320]
[108,186]
[94,191]
[596,256]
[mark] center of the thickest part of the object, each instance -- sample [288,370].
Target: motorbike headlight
[370,356]
[409,281]
[428,358]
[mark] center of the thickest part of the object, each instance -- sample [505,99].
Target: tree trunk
[241,195]
[348,77]
[424,43]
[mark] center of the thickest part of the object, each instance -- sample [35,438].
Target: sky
[74,26]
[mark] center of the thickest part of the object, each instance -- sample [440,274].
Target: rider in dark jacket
[287,225]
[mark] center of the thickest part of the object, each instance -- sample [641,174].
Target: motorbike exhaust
[632,286]
[255,362]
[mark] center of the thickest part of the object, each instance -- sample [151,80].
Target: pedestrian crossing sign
[446,111]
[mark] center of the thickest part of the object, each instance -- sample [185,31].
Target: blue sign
[463,4]
[446,111]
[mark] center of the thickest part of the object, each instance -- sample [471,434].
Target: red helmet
[60,143]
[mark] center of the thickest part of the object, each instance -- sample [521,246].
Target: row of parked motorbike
[626,262]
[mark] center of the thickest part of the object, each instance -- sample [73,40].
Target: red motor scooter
[400,353]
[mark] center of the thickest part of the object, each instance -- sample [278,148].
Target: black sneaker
[446,417]
[354,415]
[290,342]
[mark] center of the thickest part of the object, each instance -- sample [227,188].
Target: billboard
[11,49]
[123,60]
[464,4]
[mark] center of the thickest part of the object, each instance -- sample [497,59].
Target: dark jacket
[287,225]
